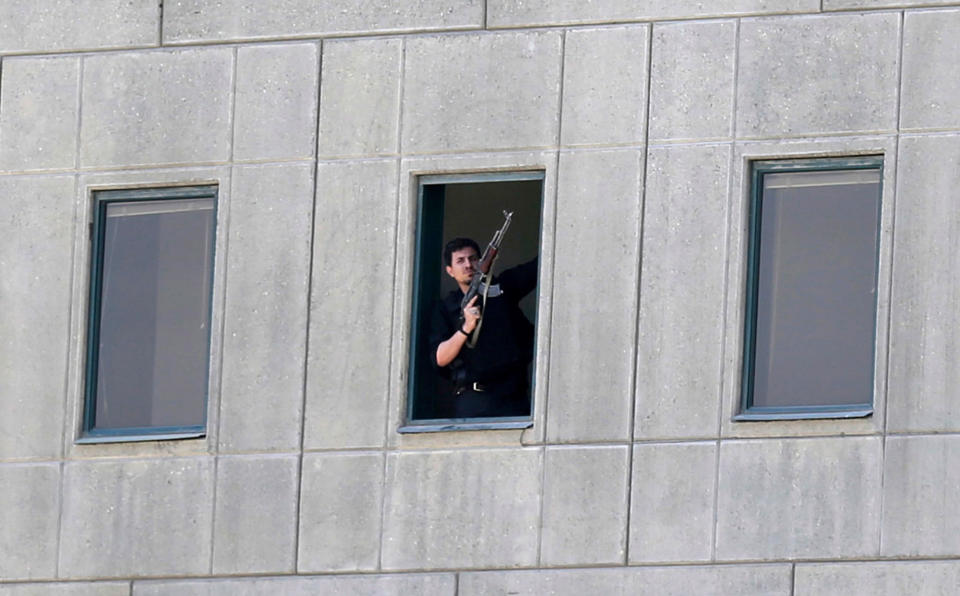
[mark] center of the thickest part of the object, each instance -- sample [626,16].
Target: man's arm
[519,281]
[449,349]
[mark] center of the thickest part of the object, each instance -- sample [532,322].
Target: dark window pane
[816,288]
[154,313]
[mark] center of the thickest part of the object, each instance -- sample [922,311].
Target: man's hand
[471,314]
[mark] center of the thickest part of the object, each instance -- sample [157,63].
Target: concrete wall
[314,119]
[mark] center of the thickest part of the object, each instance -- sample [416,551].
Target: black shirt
[505,343]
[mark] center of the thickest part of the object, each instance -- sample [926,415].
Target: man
[490,378]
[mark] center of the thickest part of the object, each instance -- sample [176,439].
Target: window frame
[101,200]
[422,255]
[758,169]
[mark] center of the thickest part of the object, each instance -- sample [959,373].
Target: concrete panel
[691,80]
[369,585]
[156,107]
[136,518]
[276,103]
[584,506]
[188,21]
[921,480]
[484,91]
[468,509]
[268,275]
[854,4]
[604,85]
[64,25]
[29,516]
[924,380]
[917,578]
[930,55]
[671,509]
[38,122]
[517,13]
[341,501]
[352,304]
[797,498]
[37,222]
[360,97]
[255,521]
[682,285]
[843,80]
[742,580]
[67,589]
[595,296]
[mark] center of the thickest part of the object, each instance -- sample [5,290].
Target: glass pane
[154,313]
[816,288]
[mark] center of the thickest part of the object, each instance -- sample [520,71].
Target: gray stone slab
[917,578]
[341,503]
[276,102]
[131,518]
[597,234]
[65,25]
[671,508]
[930,84]
[67,589]
[367,585]
[462,509]
[360,97]
[604,85]
[584,506]
[265,331]
[482,91]
[187,21]
[255,521]
[517,13]
[844,80]
[35,247]
[152,108]
[38,123]
[29,516]
[924,377]
[799,498]
[691,80]
[921,480]
[854,4]
[682,282]
[727,580]
[352,304]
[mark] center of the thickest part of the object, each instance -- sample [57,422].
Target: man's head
[460,256]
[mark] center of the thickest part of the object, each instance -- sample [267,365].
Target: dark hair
[455,245]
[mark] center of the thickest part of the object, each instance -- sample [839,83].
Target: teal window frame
[101,200]
[760,168]
[427,250]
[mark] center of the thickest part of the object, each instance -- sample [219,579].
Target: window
[149,319]
[812,289]
[490,384]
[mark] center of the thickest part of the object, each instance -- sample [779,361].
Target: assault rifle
[480,284]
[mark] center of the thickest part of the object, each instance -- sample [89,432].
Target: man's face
[463,264]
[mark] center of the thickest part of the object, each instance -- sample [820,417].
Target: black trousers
[509,396]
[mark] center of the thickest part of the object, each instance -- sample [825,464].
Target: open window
[810,325]
[490,384]
[148,338]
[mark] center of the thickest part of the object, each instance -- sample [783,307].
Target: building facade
[637,473]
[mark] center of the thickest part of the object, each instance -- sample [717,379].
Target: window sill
[435,426]
[758,414]
[116,438]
